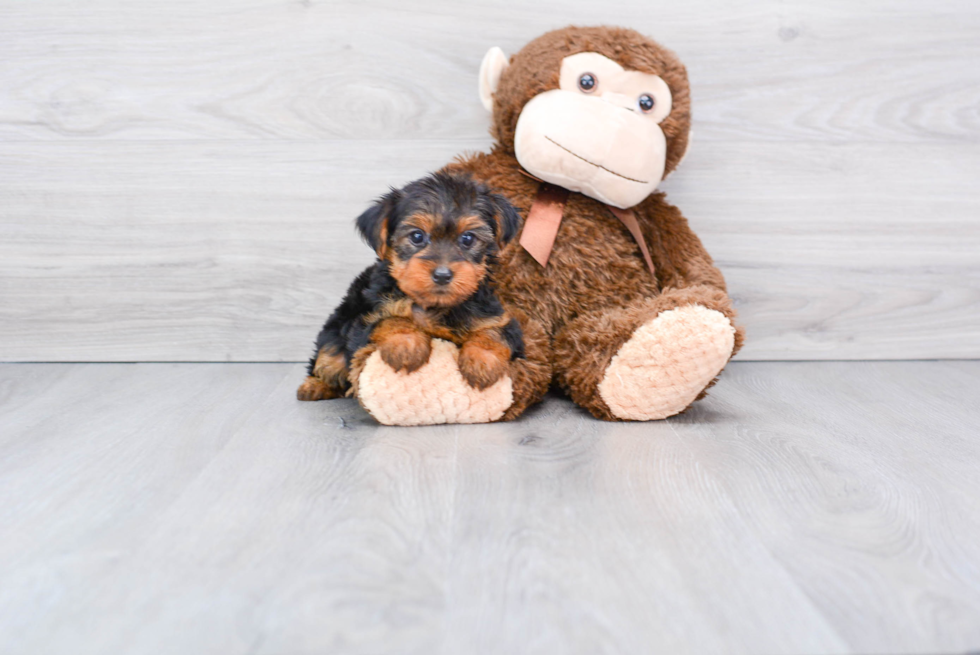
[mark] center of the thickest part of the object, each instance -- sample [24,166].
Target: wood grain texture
[177,180]
[802,507]
[108,253]
[761,69]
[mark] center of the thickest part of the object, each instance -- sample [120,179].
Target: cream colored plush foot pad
[667,362]
[436,393]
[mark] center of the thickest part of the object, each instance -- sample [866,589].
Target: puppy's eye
[646,102]
[417,237]
[587,82]
[466,239]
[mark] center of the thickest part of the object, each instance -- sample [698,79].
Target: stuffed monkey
[619,303]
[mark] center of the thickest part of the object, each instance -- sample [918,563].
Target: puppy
[436,241]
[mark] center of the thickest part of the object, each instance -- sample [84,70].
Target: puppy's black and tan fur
[437,240]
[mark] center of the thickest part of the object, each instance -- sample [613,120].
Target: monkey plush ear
[508,220]
[494,63]
[374,223]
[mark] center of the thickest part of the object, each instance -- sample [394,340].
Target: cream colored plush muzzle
[620,162]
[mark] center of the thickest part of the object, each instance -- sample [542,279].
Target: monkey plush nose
[620,100]
[442,275]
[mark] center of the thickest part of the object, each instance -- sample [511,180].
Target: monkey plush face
[604,120]
[597,133]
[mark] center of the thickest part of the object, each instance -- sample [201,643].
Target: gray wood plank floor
[803,507]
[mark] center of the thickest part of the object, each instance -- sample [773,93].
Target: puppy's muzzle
[442,276]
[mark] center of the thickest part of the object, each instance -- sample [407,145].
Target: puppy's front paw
[482,362]
[405,350]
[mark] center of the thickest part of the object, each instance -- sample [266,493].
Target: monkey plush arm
[685,271]
[681,259]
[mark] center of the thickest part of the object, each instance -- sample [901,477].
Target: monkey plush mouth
[593,163]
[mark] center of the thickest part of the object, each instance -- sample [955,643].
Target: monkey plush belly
[595,262]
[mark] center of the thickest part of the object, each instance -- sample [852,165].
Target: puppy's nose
[442,275]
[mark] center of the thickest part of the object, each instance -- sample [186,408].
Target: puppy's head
[439,235]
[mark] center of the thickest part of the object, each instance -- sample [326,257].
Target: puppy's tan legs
[483,359]
[329,377]
[402,345]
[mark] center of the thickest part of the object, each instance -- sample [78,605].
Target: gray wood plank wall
[177,180]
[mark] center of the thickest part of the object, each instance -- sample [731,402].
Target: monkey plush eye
[466,239]
[646,102]
[587,82]
[417,237]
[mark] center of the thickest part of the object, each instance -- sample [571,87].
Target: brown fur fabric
[532,375]
[596,289]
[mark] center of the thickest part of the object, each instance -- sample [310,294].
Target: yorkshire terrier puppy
[436,241]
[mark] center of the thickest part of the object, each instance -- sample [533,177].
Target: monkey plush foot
[435,393]
[666,363]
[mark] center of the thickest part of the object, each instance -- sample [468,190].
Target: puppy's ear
[508,220]
[375,223]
